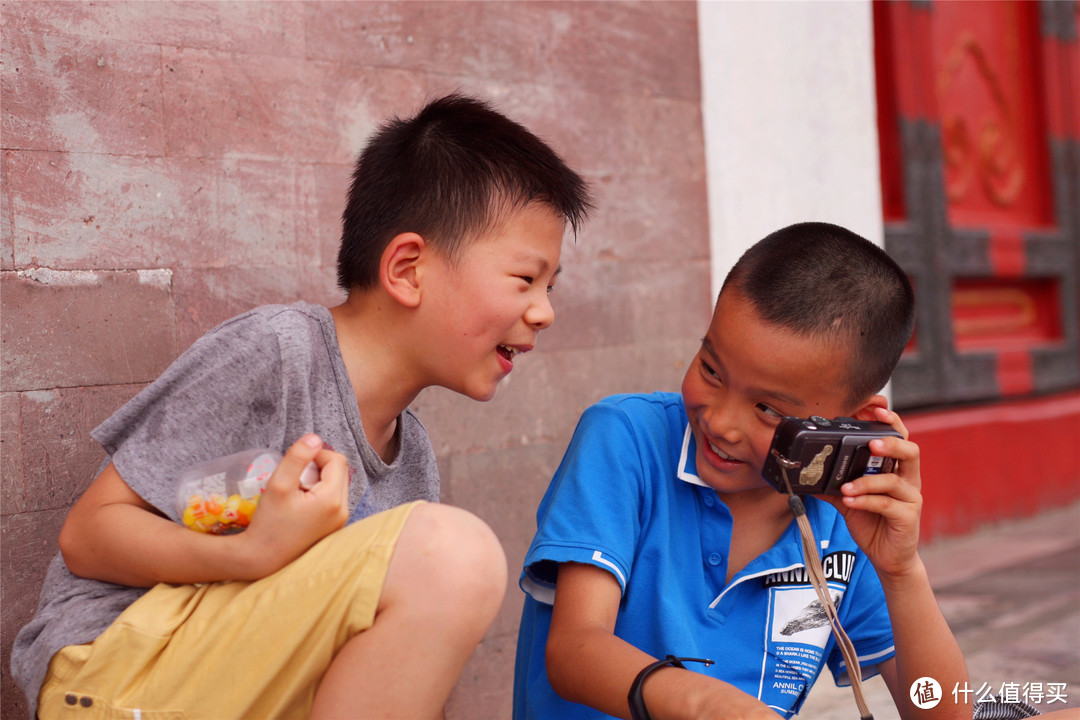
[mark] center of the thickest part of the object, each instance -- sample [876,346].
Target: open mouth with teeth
[508,352]
[723,455]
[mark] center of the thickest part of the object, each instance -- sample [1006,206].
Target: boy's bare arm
[925,647]
[587,663]
[882,513]
[112,534]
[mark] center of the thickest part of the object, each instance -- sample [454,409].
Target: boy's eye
[529,280]
[768,411]
[705,368]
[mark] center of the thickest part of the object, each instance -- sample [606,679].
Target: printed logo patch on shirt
[799,617]
[837,566]
[798,630]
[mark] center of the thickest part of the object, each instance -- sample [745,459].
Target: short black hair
[815,278]
[449,173]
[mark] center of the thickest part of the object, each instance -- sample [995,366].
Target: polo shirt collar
[687,468]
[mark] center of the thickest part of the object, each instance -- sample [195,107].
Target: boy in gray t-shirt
[451,241]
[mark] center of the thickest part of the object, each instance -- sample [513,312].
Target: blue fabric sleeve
[590,513]
[865,618]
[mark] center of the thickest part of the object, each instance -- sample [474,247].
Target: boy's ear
[866,411]
[398,268]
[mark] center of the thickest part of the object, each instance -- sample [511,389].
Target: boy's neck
[759,518]
[372,352]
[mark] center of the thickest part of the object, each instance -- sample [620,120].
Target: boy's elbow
[559,672]
[73,548]
[69,547]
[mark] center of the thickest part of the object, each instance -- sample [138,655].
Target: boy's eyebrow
[707,346]
[527,257]
[790,399]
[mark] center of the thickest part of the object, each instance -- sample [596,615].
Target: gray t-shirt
[260,380]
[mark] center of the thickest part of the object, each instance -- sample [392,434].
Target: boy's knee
[452,552]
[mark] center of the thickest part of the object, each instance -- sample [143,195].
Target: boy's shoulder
[641,403]
[277,316]
[295,324]
[640,416]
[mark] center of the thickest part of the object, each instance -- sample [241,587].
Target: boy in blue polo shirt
[658,535]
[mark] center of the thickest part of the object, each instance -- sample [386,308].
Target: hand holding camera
[882,509]
[820,455]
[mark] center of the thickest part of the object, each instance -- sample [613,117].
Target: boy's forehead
[533,234]
[505,212]
[735,310]
[806,373]
[765,389]
[507,217]
[534,252]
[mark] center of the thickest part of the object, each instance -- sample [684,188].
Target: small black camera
[821,455]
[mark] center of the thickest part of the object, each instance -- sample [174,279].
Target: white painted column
[789,109]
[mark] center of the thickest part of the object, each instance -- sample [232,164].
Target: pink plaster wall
[167,165]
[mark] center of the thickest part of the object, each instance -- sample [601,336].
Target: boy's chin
[482,394]
[473,388]
[746,480]
[733,487]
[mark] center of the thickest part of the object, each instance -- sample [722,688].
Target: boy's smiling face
[747,375]
[492,301]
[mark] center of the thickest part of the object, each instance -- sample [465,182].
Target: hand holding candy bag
[220,496]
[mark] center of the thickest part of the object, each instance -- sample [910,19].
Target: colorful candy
[219,515]
[220,497]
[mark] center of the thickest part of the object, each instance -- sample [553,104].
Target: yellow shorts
[232,649]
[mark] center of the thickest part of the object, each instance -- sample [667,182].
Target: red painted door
[980,156]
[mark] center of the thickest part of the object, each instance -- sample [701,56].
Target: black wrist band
[638,711]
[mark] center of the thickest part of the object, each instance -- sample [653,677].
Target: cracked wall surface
[169,165]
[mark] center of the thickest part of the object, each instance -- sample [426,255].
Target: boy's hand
[113,534]
[291,519]
[882,514]
[882,511]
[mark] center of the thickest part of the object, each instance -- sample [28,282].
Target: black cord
[638,711]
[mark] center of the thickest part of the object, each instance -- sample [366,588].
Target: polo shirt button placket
[715,558]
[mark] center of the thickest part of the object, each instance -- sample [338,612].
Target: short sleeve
[866,621]
[221,396]
[591,512]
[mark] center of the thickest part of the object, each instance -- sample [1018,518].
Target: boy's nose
[540,314]
[721,424]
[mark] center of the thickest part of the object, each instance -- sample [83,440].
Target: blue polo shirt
[627,498]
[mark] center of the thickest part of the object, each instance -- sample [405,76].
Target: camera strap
[816,574]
